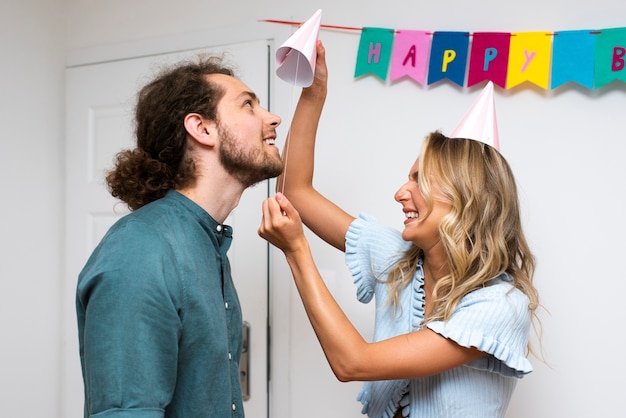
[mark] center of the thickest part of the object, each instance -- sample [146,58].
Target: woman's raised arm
[319,214]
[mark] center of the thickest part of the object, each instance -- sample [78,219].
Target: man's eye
[248,103]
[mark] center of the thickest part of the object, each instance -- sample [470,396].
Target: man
[159,320]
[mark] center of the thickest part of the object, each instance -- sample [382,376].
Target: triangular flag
[410,55]
[479,122]
[448,57]
[610,56]
[530,55]
[374,52]
[489,58]
[295,59]
[571,52]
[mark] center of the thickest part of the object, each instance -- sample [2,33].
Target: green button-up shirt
[159,321]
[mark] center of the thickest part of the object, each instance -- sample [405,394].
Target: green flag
[374,52]
[610,56]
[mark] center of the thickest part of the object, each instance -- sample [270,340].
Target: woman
[453,290]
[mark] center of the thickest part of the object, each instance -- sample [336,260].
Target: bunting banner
[590,58]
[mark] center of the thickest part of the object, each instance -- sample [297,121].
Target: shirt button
[230,356]
[219,228]
[234,407]
[226,305]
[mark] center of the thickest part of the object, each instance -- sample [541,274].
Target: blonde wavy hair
[482,235]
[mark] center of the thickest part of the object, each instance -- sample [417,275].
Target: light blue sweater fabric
[495,319]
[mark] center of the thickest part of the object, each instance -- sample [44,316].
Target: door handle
[244,362]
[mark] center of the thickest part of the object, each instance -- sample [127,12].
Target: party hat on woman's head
[296,58]
[479,122]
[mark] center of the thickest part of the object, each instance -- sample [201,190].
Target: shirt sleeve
[130,328]
[371,249]
[494,319]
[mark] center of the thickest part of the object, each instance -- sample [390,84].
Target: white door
[100,100]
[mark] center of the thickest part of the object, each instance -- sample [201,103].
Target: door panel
[99,106]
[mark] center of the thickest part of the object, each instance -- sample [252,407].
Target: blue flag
[448,57]
[573,58]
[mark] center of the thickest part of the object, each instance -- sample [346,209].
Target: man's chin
[269,173]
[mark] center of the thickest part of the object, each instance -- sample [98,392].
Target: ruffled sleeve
[371,249]
[381,399]
[495,319]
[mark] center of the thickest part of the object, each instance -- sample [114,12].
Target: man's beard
[248,166]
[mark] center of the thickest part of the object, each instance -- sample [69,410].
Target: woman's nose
[400,195]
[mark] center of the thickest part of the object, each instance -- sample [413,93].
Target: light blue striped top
[495,319]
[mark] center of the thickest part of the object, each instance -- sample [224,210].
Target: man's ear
[202,130]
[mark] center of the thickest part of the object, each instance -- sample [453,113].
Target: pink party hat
[479,122]
[296,58]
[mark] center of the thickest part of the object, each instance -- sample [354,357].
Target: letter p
[448,56]
[490,55]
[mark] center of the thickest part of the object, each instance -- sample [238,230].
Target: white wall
[32,43]
[565,146]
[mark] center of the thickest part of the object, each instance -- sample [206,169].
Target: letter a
[410,56]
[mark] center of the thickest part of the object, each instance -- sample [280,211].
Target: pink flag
[411,49]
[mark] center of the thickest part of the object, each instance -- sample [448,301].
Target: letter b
[618,58]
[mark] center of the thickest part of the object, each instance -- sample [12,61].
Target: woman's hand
[320,78]
[281,225]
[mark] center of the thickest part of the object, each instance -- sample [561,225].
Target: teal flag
[374,52]
[573,57]
[610,56]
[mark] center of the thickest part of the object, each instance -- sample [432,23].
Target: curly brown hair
[158,163]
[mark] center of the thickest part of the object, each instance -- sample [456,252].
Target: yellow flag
[530,56]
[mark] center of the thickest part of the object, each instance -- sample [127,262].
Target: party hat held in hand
[295,59]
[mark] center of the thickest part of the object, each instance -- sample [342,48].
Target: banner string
[351,28]
[289,22]
[288,138]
